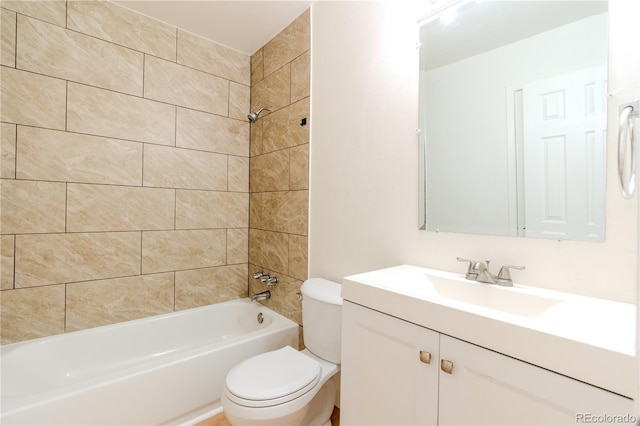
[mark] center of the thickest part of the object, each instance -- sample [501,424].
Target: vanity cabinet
[388,378]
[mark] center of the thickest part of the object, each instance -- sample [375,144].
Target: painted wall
[364,161]
[125,168]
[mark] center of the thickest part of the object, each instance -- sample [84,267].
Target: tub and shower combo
[167,369]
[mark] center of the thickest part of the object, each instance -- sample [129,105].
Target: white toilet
[288,387]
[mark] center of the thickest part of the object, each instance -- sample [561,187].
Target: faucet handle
[258,275]
[505,276]
[472,273]
[265,277]
[273,282]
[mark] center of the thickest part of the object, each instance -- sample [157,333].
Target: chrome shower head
[254,115]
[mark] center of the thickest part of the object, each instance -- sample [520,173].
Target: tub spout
[261,296]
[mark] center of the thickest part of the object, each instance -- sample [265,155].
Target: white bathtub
[167,369]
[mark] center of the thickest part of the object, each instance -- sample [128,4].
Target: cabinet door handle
[425,357]
[446,366]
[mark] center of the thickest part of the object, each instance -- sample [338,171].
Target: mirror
[513,118]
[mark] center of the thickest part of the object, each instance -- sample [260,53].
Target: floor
[221,420]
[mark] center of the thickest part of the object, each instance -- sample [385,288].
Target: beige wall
[279,178]
[364,161]
[125,168]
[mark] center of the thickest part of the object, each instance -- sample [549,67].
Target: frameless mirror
[513,118]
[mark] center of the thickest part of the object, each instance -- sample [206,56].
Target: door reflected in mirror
[513,101]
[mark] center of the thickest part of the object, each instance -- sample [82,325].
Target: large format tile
[270,172]
[30,313]
[285,211]
[239,101]
[238,174]
[178,250]
[290,43]
[53,11]
[51,50]
[96,303]
[298,256]
[269,250]
[105,113]
[213,133]
[273,91]
[184,168]
[299,167]
[237,246]
[71,157]
[206,55]
[8,37]
[282,129]
[257,66]
[32,99]
[211,209]
[113,22]
[206,286]
[180,85]
[7,150]
[7,248]
[118,208]
[62,258]
[301,77]
[31,206]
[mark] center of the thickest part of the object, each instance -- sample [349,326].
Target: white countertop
[589,339]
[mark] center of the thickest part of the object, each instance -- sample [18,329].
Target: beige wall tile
[288,44]
[93,208]
[211,209]
[32,99]
[31,313]
[53,11]
[283,298]
[238,174]
[206,55]
[269,250]
[288,211]
[48,49]
[298,256]
[7,150]
[176,84]
[105,113]
[8,36]
[210,132]
[61,258]
[71,157]
[115,23]
[184,168]
[237,246]
[299,167]
[256,138]
[178,250]
[255,210]
[301,77]
[206,286]
[257,66]
[282,128]
[273,91]
[270,172]
[96,303]
[31,206]
[7,248]
[239,101]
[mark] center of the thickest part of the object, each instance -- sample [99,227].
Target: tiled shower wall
[125,168]
[279,177]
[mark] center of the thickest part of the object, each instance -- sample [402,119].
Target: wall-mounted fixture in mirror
[513,101]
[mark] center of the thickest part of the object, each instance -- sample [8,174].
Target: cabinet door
[485,387]
[387,377]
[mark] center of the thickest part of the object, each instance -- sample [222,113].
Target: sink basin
[511,300]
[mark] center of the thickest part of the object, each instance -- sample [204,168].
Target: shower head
[254,115]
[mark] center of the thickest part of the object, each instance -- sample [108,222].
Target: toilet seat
[272,378]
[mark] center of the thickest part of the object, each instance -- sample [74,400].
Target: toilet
[286,386]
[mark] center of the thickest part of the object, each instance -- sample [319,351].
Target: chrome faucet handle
[472,273]
[258,275]
[264,278]
[504,276]
[273,282]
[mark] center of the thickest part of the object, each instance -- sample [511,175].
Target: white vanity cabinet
[385,380]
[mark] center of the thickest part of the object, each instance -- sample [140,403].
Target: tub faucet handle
[273,282]
[258,275]
[264,278]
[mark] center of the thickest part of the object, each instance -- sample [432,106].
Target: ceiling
[242,25]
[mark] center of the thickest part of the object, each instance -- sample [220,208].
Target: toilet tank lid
[322,290]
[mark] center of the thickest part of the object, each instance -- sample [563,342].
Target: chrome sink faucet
[479,271]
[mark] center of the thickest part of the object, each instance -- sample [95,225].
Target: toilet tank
[322,318]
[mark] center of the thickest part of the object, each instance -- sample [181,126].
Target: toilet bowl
[286,386]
